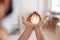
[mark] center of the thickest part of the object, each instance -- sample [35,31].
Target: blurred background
[24,8]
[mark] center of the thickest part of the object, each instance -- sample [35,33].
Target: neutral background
[24,8]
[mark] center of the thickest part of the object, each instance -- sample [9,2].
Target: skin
[3,7]
[38,30]
[30,28]
[3,34]
[28,31]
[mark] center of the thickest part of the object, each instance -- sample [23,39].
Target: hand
[26,23]
[41,23]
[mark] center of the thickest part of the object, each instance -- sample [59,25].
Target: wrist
[30,28]
[36,27]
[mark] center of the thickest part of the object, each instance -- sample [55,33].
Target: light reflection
[34,18]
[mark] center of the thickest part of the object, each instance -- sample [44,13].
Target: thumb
[44,19]
[23,18]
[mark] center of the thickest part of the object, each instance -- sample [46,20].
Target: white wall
[32,5]
[41,7]
[28,5]
[55,5]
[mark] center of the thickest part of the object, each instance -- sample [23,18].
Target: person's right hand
[26,23]
[41,23]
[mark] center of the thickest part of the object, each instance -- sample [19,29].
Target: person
[30,27]
[5,10]
[44,30]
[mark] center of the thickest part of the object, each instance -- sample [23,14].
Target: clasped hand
[31,26]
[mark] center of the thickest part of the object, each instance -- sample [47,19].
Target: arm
[39,34]
[29,28]
[3,34]
[38,31]
[26,34]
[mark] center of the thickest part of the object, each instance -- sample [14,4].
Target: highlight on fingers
[34,17]
[22,17]
[45,17]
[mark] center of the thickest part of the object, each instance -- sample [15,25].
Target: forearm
[26,34]
[3,34]
[39,34]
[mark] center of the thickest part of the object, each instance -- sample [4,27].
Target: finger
[40,18]
[23,18]
[24,21]
[45,18]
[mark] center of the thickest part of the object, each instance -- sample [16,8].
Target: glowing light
[58,24]
[34,19]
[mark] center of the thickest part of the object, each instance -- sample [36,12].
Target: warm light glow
[34,19]
[58,24]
